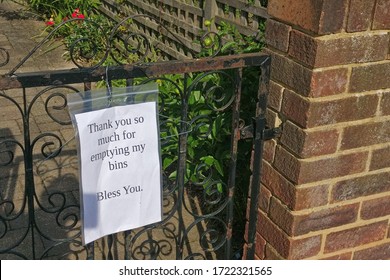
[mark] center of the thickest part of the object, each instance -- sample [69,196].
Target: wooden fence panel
[245,16]
[185,20]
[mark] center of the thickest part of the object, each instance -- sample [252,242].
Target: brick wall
[325,190]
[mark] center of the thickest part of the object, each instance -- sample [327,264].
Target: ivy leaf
[209,160]
[173,175]
[168,161]
[218,167]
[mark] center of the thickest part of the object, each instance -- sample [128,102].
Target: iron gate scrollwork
[202,122]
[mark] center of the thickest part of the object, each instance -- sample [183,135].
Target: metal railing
[39,203]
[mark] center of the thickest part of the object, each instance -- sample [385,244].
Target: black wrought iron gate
[212,118]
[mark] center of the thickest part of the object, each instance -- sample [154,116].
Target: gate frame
[257,130]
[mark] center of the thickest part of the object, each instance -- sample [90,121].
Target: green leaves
[61,8]
[207,129]
[212,162]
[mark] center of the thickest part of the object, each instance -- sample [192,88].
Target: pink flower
[81,16]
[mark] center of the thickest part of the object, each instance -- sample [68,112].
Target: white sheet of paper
[120,169]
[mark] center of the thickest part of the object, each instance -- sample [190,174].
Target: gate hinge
[258,130]
[271,133]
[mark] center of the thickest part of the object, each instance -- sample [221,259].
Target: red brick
[264,200]
[272,117]
[275,95]
[379,252]
[303,47]
[329,82]
[332,16]
[271,254]
[365,135]
[245,251]
[375,208]
[311,114]
[281,216]
[306,171]
[361,187]
[345,256]
[277,184]
[381,16]
[273,235]
[305,247]
[302,13]
[342,110]
[385,104]
[318,16]
[284,246]
[277,35]
[295,107]
[370,77]
[287,72]
[388,232]
[352,49]
[380,158]
[299,224]
[288,165]
[360,15]
[310,197]
[335,50]
[355,237]
[298,198]
[260,246]
[269,150]
[304,81]
[307,143]
[326,218]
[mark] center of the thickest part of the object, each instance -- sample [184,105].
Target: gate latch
[258,130]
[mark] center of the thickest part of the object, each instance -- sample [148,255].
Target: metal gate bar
[77,75]
[203,204]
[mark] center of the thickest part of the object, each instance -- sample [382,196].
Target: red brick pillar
[325,190]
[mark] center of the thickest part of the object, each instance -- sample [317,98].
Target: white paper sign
[120,169]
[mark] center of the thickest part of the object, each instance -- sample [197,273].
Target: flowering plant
[50,22]
[76,14]
[78,28]
[54,11]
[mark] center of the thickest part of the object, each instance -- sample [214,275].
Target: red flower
[76,14]
[50,22]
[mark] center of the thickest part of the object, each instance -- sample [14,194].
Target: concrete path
[20,32]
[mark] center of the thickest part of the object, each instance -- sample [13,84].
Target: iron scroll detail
[199,103]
